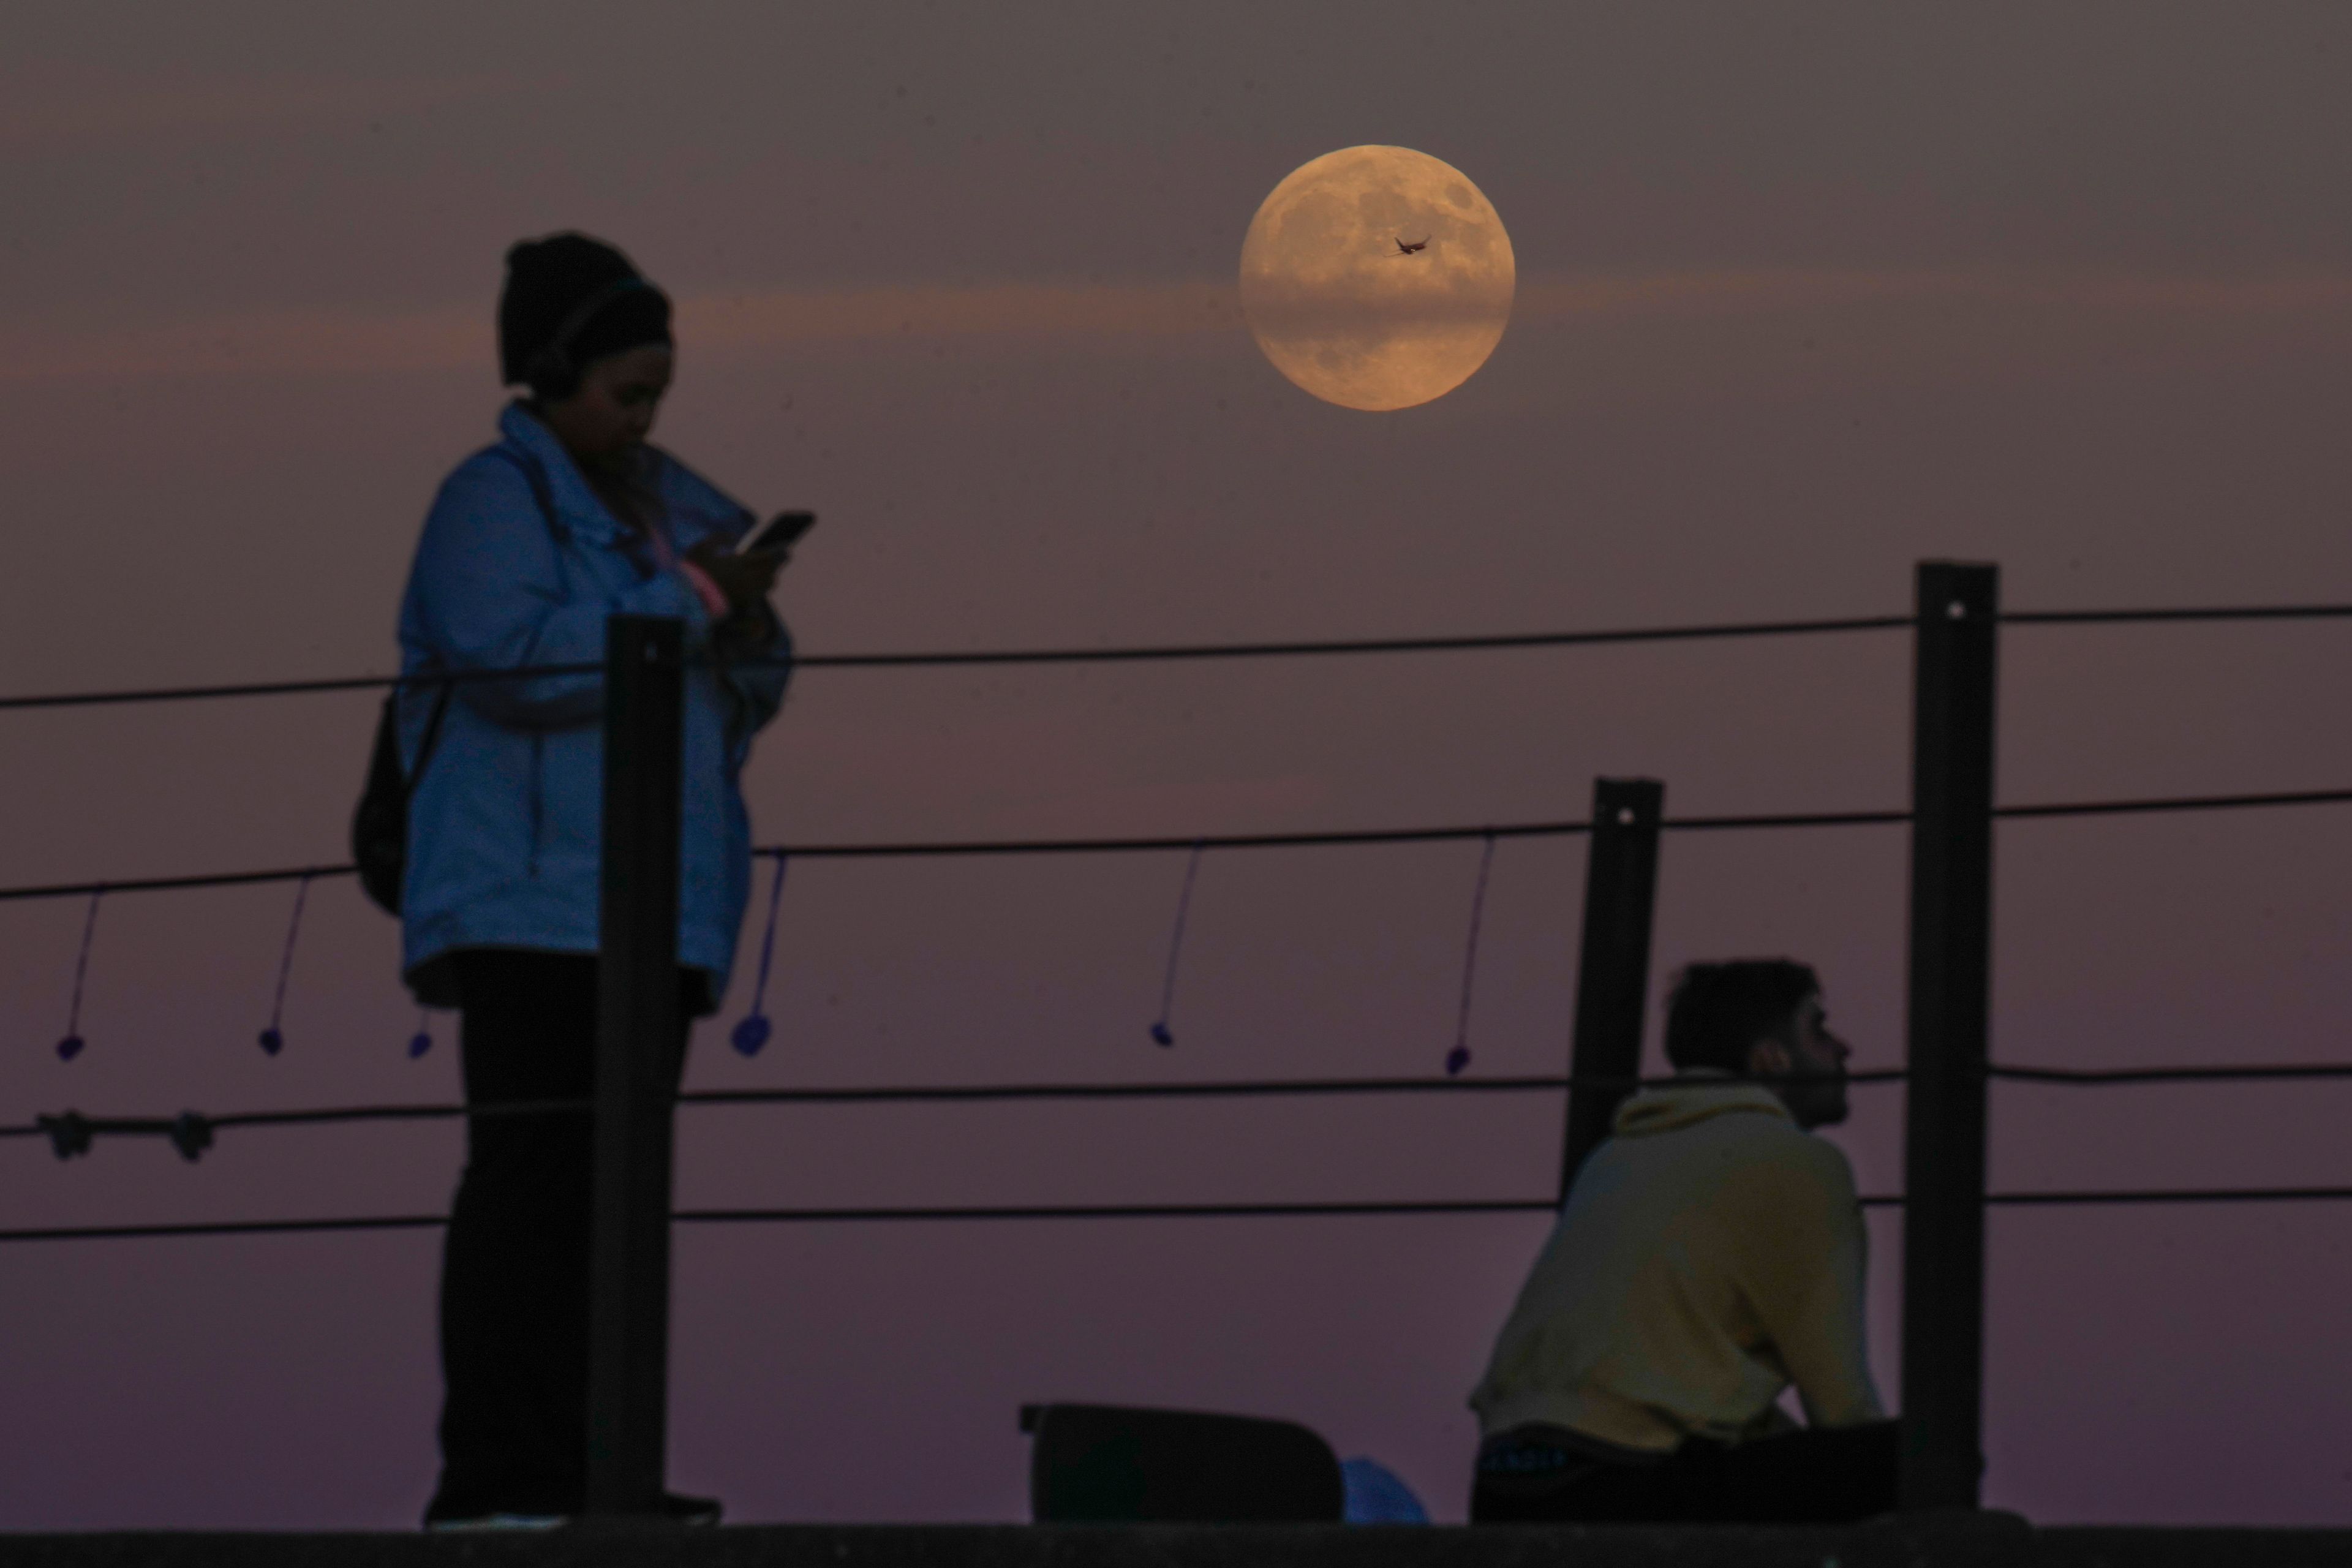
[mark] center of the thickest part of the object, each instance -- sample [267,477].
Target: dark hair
[569,299]
[1717,1011]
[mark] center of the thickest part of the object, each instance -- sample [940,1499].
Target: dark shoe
[437,1518]
[500,1508]
[675,1507]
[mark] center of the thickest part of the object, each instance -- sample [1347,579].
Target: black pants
[514,1267]
[1814,1477]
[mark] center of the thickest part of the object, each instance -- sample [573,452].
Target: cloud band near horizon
[1117,318]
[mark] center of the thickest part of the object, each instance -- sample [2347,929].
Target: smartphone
[781,532]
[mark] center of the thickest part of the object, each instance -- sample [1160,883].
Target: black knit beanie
[569,299]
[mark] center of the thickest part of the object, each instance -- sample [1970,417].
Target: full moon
[1376,278]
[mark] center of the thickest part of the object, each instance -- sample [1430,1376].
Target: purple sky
[1807,292]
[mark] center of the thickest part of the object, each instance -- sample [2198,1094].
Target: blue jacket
[505,825]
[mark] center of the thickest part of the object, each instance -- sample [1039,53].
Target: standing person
[571,517]
[1710,1253]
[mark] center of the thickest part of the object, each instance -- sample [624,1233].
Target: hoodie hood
[1685,1104]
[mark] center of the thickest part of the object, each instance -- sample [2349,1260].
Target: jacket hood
[1698,1097]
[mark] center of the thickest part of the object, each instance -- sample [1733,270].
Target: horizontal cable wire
[2095,1197]
[226,1228]
[194,693]
[2087,1076]
[1170,652]
[1785,819]
[1252,1088]
[2098,1195]
[936,1094]
[173,884]
[291,687]
[911,1094]
[1119,1211]
[2191,612]
[1486,643]
[884,851]
[947,848]
[803,1216]
[948,659]
[2023,812]
[1173,652]
[1247,1088]
[950,848]
[2178,802]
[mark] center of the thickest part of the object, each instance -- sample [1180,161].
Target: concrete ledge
[1918,1542]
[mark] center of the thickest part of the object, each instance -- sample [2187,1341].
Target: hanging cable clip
[69,1134]
[191,1134]
[1459,1057]
[70,1046]
[1163,1033]
[751,1034]
[273,1039]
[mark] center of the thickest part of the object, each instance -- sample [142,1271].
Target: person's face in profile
[608,418]
[1810,1062]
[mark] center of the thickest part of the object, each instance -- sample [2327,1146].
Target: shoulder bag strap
[536,478]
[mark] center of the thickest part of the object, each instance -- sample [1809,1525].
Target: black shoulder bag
[380,824]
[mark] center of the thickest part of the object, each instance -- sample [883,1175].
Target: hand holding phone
[778,534]
[745,576]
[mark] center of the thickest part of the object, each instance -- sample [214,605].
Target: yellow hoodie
[1709,1254]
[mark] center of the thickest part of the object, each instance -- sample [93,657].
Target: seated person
[1710,1253]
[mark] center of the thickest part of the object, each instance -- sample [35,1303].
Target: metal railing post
[1612,975]
[1950,1015]
[636,1033]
